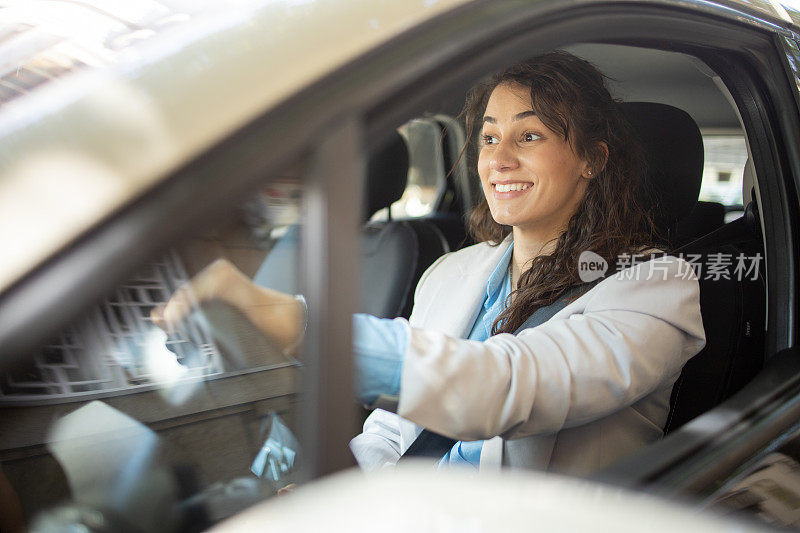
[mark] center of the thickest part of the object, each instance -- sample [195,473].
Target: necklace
[511,274]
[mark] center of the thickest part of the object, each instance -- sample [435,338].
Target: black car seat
[734,314]
[394,253]
[673,150]
[461,192]
[732,309]
[704,218]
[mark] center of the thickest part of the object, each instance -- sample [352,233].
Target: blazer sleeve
[621,341]
[379,443]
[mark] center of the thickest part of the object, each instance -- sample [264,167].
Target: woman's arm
[280,316]
[378,345]
[619,342]
[379,444]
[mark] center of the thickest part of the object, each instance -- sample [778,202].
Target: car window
[209,407]
[724,161]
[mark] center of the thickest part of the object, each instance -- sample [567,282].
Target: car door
[232,196]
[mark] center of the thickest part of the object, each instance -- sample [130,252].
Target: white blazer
[572,395]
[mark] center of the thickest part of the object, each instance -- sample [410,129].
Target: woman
[478,361]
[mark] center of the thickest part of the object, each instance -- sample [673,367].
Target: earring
[589,172]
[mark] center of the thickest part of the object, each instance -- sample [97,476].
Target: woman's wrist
[280,316]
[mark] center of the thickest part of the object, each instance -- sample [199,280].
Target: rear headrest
[673,149]
[387,173]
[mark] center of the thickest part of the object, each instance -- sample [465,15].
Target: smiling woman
[568,376]
[551,124]
[582,371]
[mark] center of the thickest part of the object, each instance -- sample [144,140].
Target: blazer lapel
[457,302]
[460,298]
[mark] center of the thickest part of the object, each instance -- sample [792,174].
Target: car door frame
[376,93]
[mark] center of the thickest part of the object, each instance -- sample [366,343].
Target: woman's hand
[280,316]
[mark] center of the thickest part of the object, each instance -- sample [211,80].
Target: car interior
[671,100]
[418,192]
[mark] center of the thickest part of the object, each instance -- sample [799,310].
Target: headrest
[673,150]
[387,173]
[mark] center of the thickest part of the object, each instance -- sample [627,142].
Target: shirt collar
[498,275]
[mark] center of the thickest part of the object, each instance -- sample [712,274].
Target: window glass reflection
[118,413]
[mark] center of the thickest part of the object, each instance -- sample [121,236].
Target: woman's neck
[528,246]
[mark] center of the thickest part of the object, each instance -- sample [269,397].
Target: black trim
[703,454]
[756,86]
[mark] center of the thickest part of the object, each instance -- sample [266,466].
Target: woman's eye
[528,137]
[490,139]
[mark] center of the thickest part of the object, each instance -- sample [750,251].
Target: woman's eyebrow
[518,116]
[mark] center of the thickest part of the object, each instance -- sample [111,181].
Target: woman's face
[531,177]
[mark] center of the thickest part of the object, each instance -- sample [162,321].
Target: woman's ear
[598,160]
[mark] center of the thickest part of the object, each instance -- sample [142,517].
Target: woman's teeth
[508,187]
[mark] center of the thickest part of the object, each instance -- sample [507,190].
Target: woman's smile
[510,189]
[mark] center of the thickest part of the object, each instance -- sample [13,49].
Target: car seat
[704,218]
[394,253]
[461,192]
[732,310]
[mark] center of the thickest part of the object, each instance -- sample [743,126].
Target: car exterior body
[107,166]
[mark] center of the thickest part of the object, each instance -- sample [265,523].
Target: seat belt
[433,445]
[741,229]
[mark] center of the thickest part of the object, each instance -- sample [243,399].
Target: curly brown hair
[569,95]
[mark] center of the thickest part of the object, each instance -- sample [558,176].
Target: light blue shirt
[380,343]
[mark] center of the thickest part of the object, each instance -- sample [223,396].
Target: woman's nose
[504,157]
